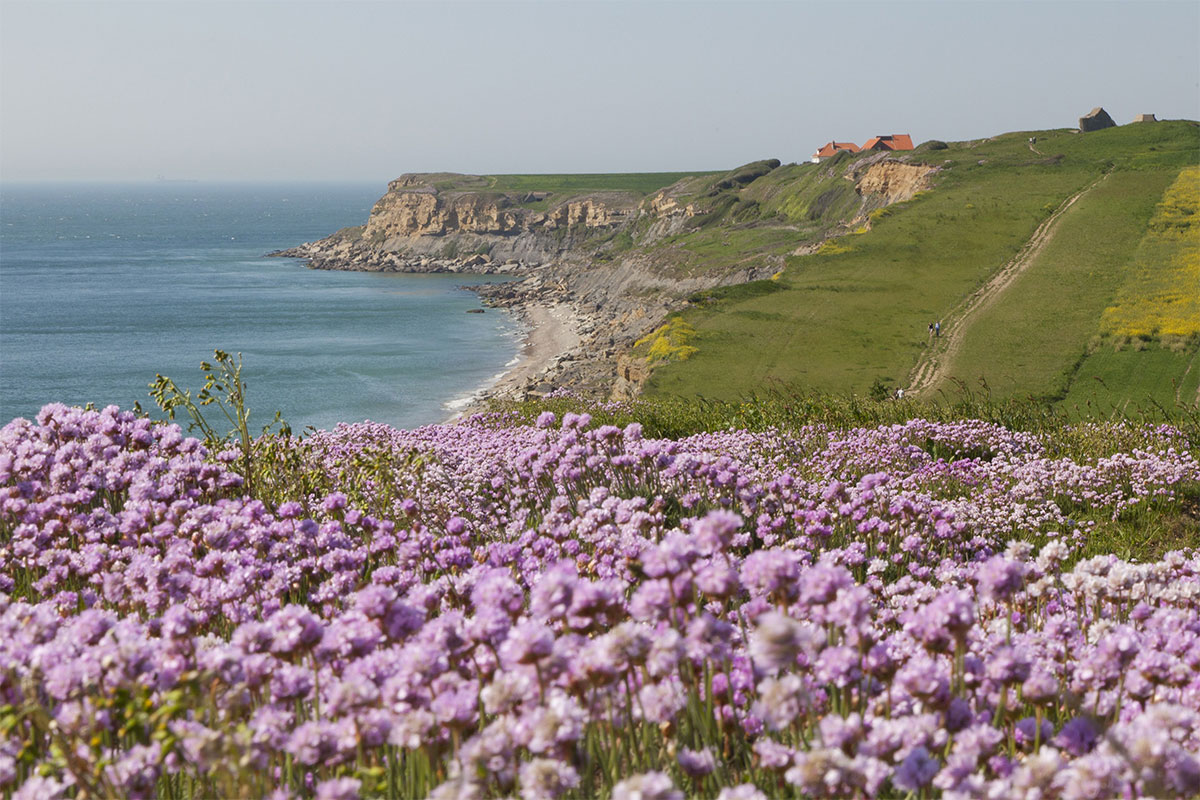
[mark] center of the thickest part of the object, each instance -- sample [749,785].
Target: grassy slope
[839,321]
[754,224]
[1148,336]
[1031,341]
[1114,380]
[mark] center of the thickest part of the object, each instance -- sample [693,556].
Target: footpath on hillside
[930,370]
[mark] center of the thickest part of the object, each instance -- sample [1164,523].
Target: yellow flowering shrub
[668,342]
[832,247]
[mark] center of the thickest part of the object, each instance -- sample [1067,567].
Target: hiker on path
[937,329]
[931,330]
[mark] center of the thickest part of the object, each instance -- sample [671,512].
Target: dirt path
[930,370]
[1183,377]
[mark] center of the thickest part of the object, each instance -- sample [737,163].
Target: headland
[830,274]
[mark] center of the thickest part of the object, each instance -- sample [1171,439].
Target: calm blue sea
[102,286]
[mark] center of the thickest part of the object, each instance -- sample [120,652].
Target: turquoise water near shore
[102,286]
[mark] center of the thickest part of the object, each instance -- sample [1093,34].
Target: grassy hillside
[752,216]
[1044,322]
[1142,376]
[1148,334]
[856,312]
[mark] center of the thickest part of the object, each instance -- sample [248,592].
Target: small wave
[458,404]
[462,401]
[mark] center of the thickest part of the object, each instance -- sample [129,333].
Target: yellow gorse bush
[1162,297]
[832,247]
[668,342]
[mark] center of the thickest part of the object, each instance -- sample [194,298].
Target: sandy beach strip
[550,332]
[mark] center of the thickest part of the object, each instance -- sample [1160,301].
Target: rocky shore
[582,318]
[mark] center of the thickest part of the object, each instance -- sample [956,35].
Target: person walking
[937,329]
[931,331]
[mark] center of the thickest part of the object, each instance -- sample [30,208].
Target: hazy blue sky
[368,90]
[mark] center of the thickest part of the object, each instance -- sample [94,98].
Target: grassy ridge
[855,314]
[541,192]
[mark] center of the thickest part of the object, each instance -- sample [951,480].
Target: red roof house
[831,149]
[900,141]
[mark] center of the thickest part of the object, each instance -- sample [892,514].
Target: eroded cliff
[894,182]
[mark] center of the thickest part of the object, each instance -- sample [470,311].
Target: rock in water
[1096,120]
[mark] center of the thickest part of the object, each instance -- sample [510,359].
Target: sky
[365,91]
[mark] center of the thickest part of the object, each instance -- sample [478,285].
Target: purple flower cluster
[485,610]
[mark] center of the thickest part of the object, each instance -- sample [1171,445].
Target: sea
[102,287]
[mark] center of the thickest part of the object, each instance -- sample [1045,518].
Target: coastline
[582,300]
[551,333]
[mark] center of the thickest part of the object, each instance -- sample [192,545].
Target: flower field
[567,609]
[1160,298]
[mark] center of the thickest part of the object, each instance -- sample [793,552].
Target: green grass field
[1112,381]
[840,321]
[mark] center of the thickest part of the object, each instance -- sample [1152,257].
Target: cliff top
[540,191]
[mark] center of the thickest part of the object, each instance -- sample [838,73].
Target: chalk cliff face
[420,227]
[411,211]
[418,213]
